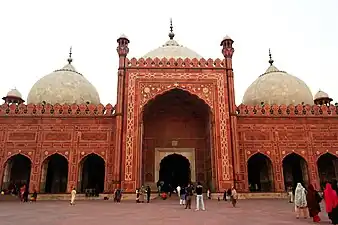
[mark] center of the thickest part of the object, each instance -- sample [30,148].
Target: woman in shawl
[330,197]
[313,199]
[300,201]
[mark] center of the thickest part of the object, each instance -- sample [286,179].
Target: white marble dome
[14,93]
[277,87]
[172,49]
[321,94]
[64,86]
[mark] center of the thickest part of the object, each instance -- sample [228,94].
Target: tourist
[208,194]
[188,195]
[148,191]
[34,196]
[22,192]
[199,197]
[330,197]
[178,189]
[225,195]
[313,199]
[229,191]
[72,196]
[300,201]
[233,196]
[182,195]
[117,195]
[25,194]
[290,194]
[137,195]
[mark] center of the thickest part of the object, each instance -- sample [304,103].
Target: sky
[36,35]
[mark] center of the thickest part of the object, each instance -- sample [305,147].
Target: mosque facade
[175,121]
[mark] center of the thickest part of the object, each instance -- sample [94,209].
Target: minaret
[122,50]
[228,51]
[13,97]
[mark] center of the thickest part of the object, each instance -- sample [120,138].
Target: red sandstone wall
[277,131]
[74,132]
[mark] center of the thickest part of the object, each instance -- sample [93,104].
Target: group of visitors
[143,192]
[22,193]
[230,194]
[307,202]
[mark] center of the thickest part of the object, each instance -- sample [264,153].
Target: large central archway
[17,171]
[177,119]
[175,170]
[295,170]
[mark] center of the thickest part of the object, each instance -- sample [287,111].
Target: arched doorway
[295,171]
[260,173]
[17,171]
[176,121]
[92,174]
[327,168]
[174,171]
[54,175]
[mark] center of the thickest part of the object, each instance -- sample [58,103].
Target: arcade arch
[174,121]
[260,173]
[295,170]
[92,174]
[54,174]
[327,165]
[17,171]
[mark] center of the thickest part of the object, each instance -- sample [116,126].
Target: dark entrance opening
[93,174]
[327,168]
[174,171]
[57,174]
[260,173]
[17,172]
[295,171]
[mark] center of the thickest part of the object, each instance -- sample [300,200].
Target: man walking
[199,197]
[188,195]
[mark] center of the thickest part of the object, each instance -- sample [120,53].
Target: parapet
[174,63]
[57,110]
[287,111]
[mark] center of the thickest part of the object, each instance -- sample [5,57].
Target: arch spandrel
[294,153]
[257,154]
[47,156]
[84,155]
[204,92]
[318,156]
[9,156]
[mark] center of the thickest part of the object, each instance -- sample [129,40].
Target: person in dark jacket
[313,199]
[199,197]
[189,193]
[148,190]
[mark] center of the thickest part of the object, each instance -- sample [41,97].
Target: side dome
[14,93]
[277,87]
[171,49]
[320,94]
[63,86]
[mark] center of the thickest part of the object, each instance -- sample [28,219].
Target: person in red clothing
[313,199]
[330,197]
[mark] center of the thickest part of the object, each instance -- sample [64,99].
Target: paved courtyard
[159,212]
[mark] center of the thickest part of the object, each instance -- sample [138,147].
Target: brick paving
[159,212]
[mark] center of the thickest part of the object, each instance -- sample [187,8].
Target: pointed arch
[260,173]
[17,171]
[295,170]
[92,172]
[327,164]
[54,174]
[200,95]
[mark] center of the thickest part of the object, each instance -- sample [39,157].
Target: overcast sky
[35,37]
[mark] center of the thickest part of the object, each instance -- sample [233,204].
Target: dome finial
[171,33]
[270,56]
[70,60]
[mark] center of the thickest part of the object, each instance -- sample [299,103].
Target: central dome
[63,86]
[172,49]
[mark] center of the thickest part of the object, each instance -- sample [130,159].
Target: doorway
[327,168]
[260,173]
[92,174]
[295,171]
[174,171]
